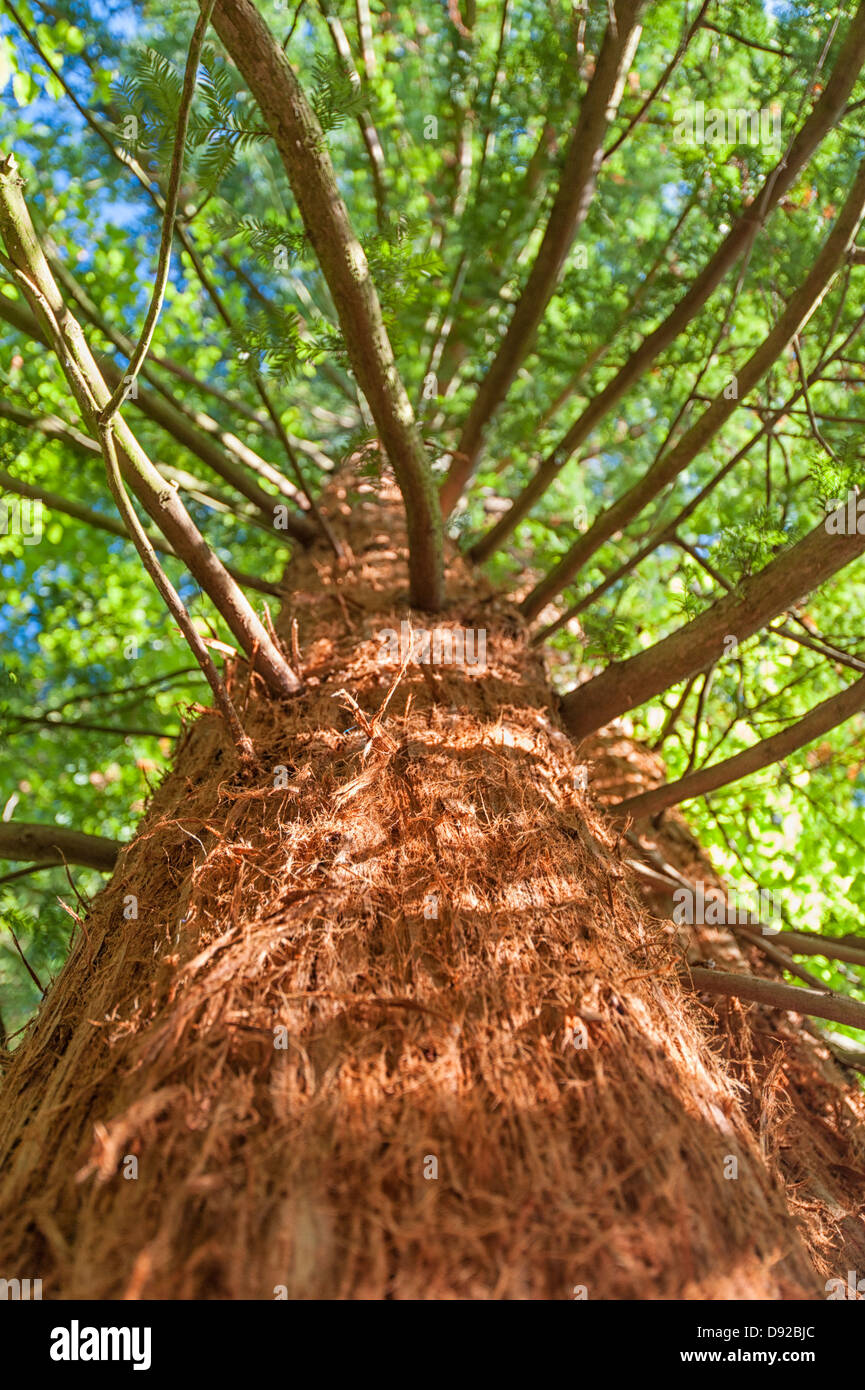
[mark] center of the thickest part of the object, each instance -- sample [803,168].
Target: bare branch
[668,530]
[220,450]
[87,727]
[170,417]
[794,998]
[822,119]
[365,123]
[265,397]
[108,524]
[668,466]
[773,590]
[687,35]
[304,154]
[819,721]
[28,266]
[169,595]
[571,204]
[127,384]
[55,844]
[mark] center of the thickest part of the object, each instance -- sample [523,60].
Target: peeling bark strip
[825,115]
[670,465]
[576,189]
[820,720]
[626,684]
[91,393]
[303,151]
[55,844]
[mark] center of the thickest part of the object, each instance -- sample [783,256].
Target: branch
[487,543]
[801,943]
[820,720]
[25,872]
[843,1049]
[27,263]
[157,298]
[112,527]
[49,425]
[662,882]
[266,400]
[802,304]
[41,721]
[169,595]
[302,147]
[570,207]
[27,966]
[368,132]
[820,646]
[684,43]
[749,43]
[439,327]
[668,530]
[89,696]
[295,526]
[503,250]
[54,844]
[168,364]
[219,456]
[827,110]
[779,586]
[21,237]
[797,999]
[364,34]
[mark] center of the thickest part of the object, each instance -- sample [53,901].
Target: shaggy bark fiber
[494,1082]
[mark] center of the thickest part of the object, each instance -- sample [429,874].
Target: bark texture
[392,1020]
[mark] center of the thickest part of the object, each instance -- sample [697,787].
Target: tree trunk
[386,1018]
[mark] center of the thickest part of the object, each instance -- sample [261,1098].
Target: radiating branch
[303,150]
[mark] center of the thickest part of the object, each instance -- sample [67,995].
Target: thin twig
[169,594]
[28,967]
[127,382]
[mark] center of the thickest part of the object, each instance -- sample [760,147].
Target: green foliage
[606,637]
[473,133]
[751,545]
[273,242]
[833,477]
[217,132]
[335,94]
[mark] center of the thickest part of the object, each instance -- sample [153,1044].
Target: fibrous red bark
[390,1019]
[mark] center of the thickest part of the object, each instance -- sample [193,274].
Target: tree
[381,989]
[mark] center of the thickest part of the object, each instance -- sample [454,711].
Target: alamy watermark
[839,1289]
[846,517]
[76,1343]
[21,516]
[443,646]
[695,125]
[19,1290]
